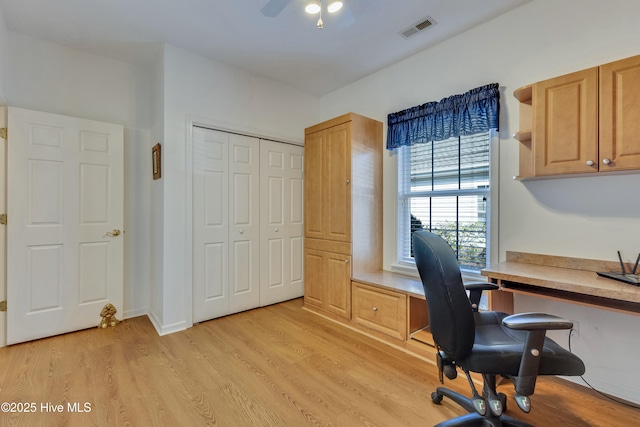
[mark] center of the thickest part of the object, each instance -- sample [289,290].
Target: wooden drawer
[380,310]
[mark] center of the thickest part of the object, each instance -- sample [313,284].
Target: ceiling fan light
[312,8]
[335,6]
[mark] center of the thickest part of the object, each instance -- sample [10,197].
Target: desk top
[572,275]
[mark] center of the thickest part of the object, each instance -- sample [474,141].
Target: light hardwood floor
[273,366]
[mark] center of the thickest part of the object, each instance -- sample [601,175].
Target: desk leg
[501,301]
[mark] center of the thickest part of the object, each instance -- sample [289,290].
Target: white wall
[156,218]
[45,76]
[4,35]
[200,90]
[581,217]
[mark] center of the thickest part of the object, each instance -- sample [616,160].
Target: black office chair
[486,342]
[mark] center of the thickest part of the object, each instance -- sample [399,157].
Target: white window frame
[408,266]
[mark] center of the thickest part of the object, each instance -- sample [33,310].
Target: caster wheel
[503,400]
[436,398]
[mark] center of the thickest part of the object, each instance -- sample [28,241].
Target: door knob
[113,233]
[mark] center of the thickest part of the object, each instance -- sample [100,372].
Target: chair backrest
[450,314]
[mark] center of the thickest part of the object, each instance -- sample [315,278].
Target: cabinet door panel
[314,205]
[620,115]
[338,183]
[338,284]
[565,136]
[314,277]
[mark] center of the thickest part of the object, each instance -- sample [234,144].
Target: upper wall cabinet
[583,122]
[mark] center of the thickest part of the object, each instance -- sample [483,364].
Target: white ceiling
[360,40]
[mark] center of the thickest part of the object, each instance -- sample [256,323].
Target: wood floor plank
[274,366]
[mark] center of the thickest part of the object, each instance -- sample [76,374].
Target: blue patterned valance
[467,114]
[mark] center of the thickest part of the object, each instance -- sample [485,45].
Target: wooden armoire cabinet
[342,209]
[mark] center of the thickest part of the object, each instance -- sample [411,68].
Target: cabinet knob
[241,231]
[375,308]
[277,229]
[346,261]
[589,162]
[606,161]
[348,181]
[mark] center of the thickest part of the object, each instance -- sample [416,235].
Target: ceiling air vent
[421,25]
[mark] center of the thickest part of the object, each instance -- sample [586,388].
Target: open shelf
[423,336]
[524,93]
[523,135]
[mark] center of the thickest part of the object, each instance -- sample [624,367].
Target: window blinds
[444,188]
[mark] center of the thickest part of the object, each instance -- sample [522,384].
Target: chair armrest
[475,292]
[481,286]
[536,321]
[536,325]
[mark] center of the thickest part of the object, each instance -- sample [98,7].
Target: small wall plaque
[157,161]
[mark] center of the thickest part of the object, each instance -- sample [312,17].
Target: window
[444,188]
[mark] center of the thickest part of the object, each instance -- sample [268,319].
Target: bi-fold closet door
[247,223]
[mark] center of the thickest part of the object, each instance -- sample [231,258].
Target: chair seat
[494,341]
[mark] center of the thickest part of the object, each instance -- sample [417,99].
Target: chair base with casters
[485,342]
[474,418]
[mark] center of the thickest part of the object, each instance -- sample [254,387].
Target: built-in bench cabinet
[581,123]
[392,307]
[379,310]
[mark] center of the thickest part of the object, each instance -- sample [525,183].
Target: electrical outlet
[575,331]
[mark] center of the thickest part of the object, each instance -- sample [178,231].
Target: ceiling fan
[274,7]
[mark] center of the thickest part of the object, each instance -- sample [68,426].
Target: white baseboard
[166,329]
[135,313]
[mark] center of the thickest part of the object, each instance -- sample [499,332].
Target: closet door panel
[244,222]
[281,203]
[295,256]
[210,224]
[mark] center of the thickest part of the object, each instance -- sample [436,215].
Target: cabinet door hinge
[3,306]
[3,133]
[3,219]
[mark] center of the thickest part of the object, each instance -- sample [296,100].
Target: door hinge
[3,133]
[3,219]
[3,306]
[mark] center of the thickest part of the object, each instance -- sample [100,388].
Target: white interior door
[281,204]
[65,201]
